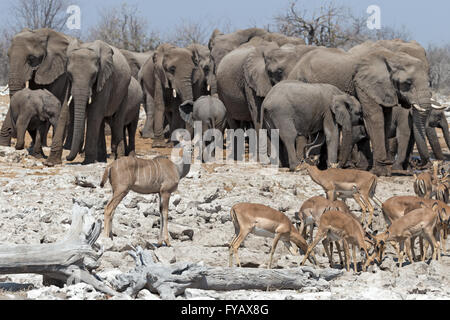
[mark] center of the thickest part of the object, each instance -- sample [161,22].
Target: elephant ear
[186,110]
[255,72]
[373,77]
[340,110]
[55,61]
[105,54]
[158,59]
[198,73]
[213,37]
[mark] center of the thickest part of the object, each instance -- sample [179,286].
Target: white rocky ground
[36,204]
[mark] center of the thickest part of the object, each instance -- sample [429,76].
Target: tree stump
[68,261]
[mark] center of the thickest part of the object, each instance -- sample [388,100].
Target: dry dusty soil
[36,204]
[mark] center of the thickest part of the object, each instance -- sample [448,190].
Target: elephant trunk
[419,123]
[80,100]
[22,124]
[444,126]
[186,90]
[347,139]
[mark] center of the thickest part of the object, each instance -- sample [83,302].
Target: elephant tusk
[208,88]
[6,88]
[174,93]
[90,100]
[70,100]
[27,84]
[436,107]
[419,108]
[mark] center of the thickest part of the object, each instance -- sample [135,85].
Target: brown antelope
[443,188]
[418,222]
[425,183]
[336,225]
[346,183]
[159,175]
[309,215]
[396,207]
[263,221]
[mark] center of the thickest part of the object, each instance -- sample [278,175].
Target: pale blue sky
[428,21]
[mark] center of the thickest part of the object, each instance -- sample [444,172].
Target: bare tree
[332,26]
[188,31]
[36,14]
[123,28]
[439,59]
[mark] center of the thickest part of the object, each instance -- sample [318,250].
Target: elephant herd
[369,105]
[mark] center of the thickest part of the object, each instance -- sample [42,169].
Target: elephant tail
[105,176]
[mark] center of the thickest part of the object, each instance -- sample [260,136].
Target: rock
[82,291]
[147,295]
[175,200]
[166,255]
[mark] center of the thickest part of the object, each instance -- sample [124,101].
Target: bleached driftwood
[68,261]
[170,281]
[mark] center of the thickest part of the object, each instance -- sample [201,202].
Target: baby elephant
[300,110]
[207,109]
[34,110]
[212,114]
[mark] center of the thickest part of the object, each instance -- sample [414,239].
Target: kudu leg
[164,215]
[110,209]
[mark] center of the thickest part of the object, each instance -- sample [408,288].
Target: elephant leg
[332,140]
[101,151]
[37,149]
[59,134]
[149,106]
[117,137]
[392,149]
[403,138]
[7,130]
[288,136]
[132,128]
[300,145]
[44,134]
[94,125]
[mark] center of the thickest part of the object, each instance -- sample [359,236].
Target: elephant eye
[172,69]
[405,86]
[33,61]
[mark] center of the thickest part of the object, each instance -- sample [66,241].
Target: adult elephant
[136,60]
[302,109]
[221,44]
[414,49]
[38,57]
[170,77]
[380,79]
[100,76]
[246,75]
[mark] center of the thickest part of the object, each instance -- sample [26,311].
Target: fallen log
[68,261]
[170,281]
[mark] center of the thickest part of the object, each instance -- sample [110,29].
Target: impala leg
[164,215]
[400,253]
[409,248]
[355,266]
[423,248]
[412,241]
[327,245]
[319,236]
[234,246]
[347,255]
[331,195]
[363,207]
[110,209]
[272,251]
[339,250]
[371,210]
